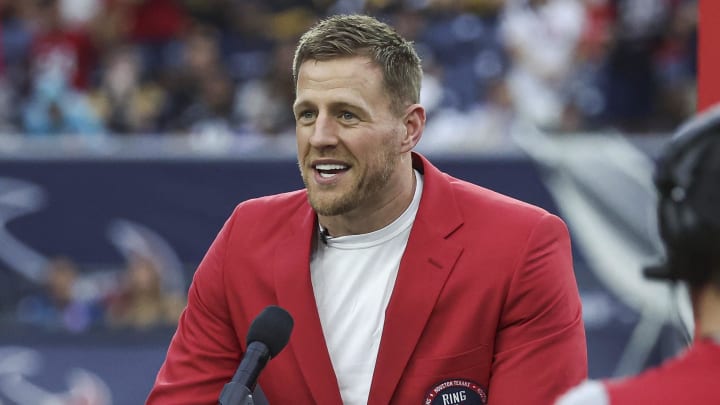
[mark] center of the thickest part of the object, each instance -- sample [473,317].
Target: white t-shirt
[353,277]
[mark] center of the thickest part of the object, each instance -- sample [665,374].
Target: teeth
[330,167]
[329,170]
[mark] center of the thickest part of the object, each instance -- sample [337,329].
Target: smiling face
[350,144]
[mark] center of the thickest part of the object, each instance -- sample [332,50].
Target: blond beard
[368,185]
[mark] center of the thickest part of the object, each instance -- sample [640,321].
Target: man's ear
[414,122]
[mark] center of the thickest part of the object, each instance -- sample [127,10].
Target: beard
[363,187]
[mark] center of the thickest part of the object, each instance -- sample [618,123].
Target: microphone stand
[235,393]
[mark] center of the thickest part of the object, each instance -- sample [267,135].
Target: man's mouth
[328,170]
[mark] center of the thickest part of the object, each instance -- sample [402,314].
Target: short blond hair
[361,35]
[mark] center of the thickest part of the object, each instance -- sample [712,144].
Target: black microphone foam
[268,334]
[272,328]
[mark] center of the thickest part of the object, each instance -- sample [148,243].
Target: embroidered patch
[452,392]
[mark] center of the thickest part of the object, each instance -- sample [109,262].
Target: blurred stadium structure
[130,129]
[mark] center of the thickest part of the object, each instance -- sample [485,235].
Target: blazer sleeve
[204,352]
[540,347]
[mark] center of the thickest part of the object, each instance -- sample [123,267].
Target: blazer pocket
[450,364]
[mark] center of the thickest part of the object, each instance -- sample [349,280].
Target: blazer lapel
[423,272]
[428,261]
[295,294]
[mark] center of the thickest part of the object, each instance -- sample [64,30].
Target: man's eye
[347,116]
[306,115]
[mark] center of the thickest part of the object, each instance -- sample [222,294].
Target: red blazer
[485,300]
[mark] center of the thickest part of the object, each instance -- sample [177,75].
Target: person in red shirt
[688,184]
[59,45]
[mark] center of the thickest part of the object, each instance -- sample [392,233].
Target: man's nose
[325,131]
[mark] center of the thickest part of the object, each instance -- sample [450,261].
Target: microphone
[268,334]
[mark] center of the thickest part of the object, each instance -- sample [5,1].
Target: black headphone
[688,185]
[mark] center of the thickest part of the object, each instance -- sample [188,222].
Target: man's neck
[707,311]
[361,222]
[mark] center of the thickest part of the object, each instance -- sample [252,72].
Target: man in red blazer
[406,286]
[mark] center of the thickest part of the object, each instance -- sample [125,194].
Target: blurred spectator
[54,107]
[59,305]
[154,26]
[264,105]
[651,51]
[586,101]
[60,63]
[211,112]
[140,301]
[15,39]
[126,103]
[485,126]
[215,13]
[248,44]
[461,46]
[193,89]
[541,37]
[80,13]
[676,65]
[56,42]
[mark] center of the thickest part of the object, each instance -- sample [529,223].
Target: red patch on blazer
[456,391]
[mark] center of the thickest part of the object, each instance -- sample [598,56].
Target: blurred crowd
[145,287]
[69,300]
[149,67]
